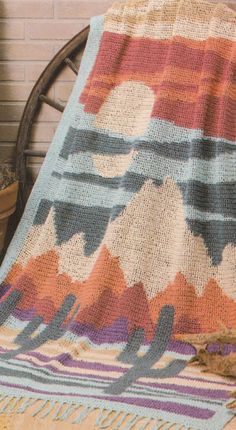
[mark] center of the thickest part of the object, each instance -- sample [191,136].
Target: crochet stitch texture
[129,236]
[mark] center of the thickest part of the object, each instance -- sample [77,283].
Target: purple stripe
[214,347]
[24,315]
[181,348]
[190,378]
[212,394]
[116,333]
[66,360]
[209,393]
[186,410]
[4,288]
[167,406]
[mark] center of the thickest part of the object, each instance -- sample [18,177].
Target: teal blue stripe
[82,379]
[44,373]
[93,391]
[163,130]
[220,169]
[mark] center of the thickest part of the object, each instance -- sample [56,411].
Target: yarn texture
[128,239]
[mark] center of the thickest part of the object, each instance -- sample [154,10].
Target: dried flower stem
[7,177]
[214,362]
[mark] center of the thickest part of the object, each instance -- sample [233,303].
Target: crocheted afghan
[129,237]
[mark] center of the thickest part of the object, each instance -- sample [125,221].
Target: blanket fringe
[109,419]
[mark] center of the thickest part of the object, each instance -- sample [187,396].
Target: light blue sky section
[158,130]
[217,170]
[195,214]
[86,194]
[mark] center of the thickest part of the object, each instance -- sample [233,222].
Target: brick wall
[31,32]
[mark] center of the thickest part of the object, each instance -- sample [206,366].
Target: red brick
[43,132]
[39,146]
[26,51]
[48,114]
[14,92]
[63,91]
[58,46]
[53,30]
[33,71]
[8,132]
[12,30]
[11,112]
[81,9]
[26,9]
[29,37]
[12,72]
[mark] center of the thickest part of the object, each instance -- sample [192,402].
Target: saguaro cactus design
[53,331]
[142,366]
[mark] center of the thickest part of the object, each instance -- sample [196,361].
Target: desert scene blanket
[127,246]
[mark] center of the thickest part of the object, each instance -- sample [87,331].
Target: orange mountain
[131,305]
[41,283]
[195,313]
[104,296]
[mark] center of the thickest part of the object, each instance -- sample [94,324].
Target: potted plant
[8,197]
